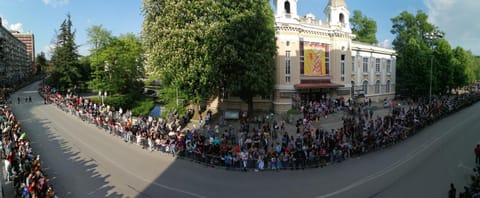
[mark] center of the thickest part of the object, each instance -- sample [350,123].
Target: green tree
[42,62]
[200,47]
[363,27]
[246,62]
[98,36]
[477,67]
[65,59]
[175,35]
[443,67]
[414,53]
[464,67]
[118,65]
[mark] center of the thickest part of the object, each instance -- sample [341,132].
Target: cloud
[48,50]
[15,27]
[385,43]
[456,19]
[56,3]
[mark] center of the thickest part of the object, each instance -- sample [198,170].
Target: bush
[293,112]
[138,103]
[143,107]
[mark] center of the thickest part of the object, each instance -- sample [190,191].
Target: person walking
[477,154]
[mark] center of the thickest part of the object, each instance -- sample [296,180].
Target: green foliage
[443,72]
[41,62]
[464,67]
[98,37]
[476,67]
[417,54]
[175,41]
[65,71]
[414,53]
[117,65]
[293,112]
[139,104]
[143,107]
[200,47]
[242,57]
[363,27]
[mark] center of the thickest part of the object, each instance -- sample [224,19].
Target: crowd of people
[264,144]
[473,189]
[21,164]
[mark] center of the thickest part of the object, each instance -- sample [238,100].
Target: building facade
[29,40]
[319,60]
[15,63]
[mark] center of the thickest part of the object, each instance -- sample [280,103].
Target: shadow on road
[91,180]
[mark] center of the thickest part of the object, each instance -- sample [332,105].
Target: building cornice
[310,29]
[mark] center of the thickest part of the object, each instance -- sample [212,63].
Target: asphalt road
[83,161]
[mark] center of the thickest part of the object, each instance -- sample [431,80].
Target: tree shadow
[64,164]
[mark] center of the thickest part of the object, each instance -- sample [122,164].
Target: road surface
[83,161]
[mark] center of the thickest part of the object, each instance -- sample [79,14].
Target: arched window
[365,87]
[287,7]
[377,87]
[387,89]
[341,18]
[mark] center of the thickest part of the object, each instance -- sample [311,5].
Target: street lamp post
[431,37]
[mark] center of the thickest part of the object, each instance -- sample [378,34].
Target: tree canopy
[65,72]
[117,64]
[201,47]
[42,62]
[422,57]
[363,27]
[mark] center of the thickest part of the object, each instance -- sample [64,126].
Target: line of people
[21,164]
[251,147]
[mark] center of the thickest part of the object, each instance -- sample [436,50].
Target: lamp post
[431,37]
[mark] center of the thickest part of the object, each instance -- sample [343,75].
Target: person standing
[452,193]
[477,154]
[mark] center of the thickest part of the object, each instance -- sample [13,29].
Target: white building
[318,59]
[15,64]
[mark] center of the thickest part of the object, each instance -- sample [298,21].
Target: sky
[43,18]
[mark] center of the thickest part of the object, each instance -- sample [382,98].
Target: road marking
[128,171]
[29,91]
[393,166]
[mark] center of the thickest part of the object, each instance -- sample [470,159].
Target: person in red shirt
[477,154]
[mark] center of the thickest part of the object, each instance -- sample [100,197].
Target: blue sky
[43,17]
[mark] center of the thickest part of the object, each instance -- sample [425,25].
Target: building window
[387,89]
[365,87]
[287,66]
[377,65]
[353,64]
[365,64]
[287,7]
[341,18]
[327,60]
[302,62]
[377,87]
[389,65]
[342,67]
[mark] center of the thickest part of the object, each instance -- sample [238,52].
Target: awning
[316,85]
